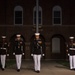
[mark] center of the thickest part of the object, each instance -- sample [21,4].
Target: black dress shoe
[71,69]
[74,69]
[38,71]
[18,70]
[2,69]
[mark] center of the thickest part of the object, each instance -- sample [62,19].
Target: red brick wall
[47,30]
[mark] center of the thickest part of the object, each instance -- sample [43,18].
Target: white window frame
[34,9]
[56,8]
[18,8]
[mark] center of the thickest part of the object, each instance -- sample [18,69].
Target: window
[39,16]
[57,15]
[18,15]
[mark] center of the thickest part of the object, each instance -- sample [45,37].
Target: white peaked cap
[37,33]
[18,35]
[3,36]
[71,37]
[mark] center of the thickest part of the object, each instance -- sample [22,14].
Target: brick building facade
[56,24]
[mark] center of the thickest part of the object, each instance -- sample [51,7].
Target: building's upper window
[57,15]
[39,16]
[18,15]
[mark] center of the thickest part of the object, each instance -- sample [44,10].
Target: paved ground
[47,68]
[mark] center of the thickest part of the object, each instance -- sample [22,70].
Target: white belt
[3,48]
[72,48]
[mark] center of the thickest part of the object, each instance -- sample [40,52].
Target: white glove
[22,53]
[68,54]
[43,54]
[31,54]
[7,54]
[13,53]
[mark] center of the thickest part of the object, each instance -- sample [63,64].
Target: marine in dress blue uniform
[3,51]
[18,51]
[71,53]
[37,52]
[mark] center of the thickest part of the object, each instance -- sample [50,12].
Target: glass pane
[35,14]
[18,13]
[39,20]
[18,17]
[39,13]
[56,13]
[56,20]
[18,20]
[34,20]
[39,17]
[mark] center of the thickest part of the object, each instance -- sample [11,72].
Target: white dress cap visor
[71,37]
[3,36]
[37,33]
[18,35]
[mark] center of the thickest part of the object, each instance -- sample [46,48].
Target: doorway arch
[58,47]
